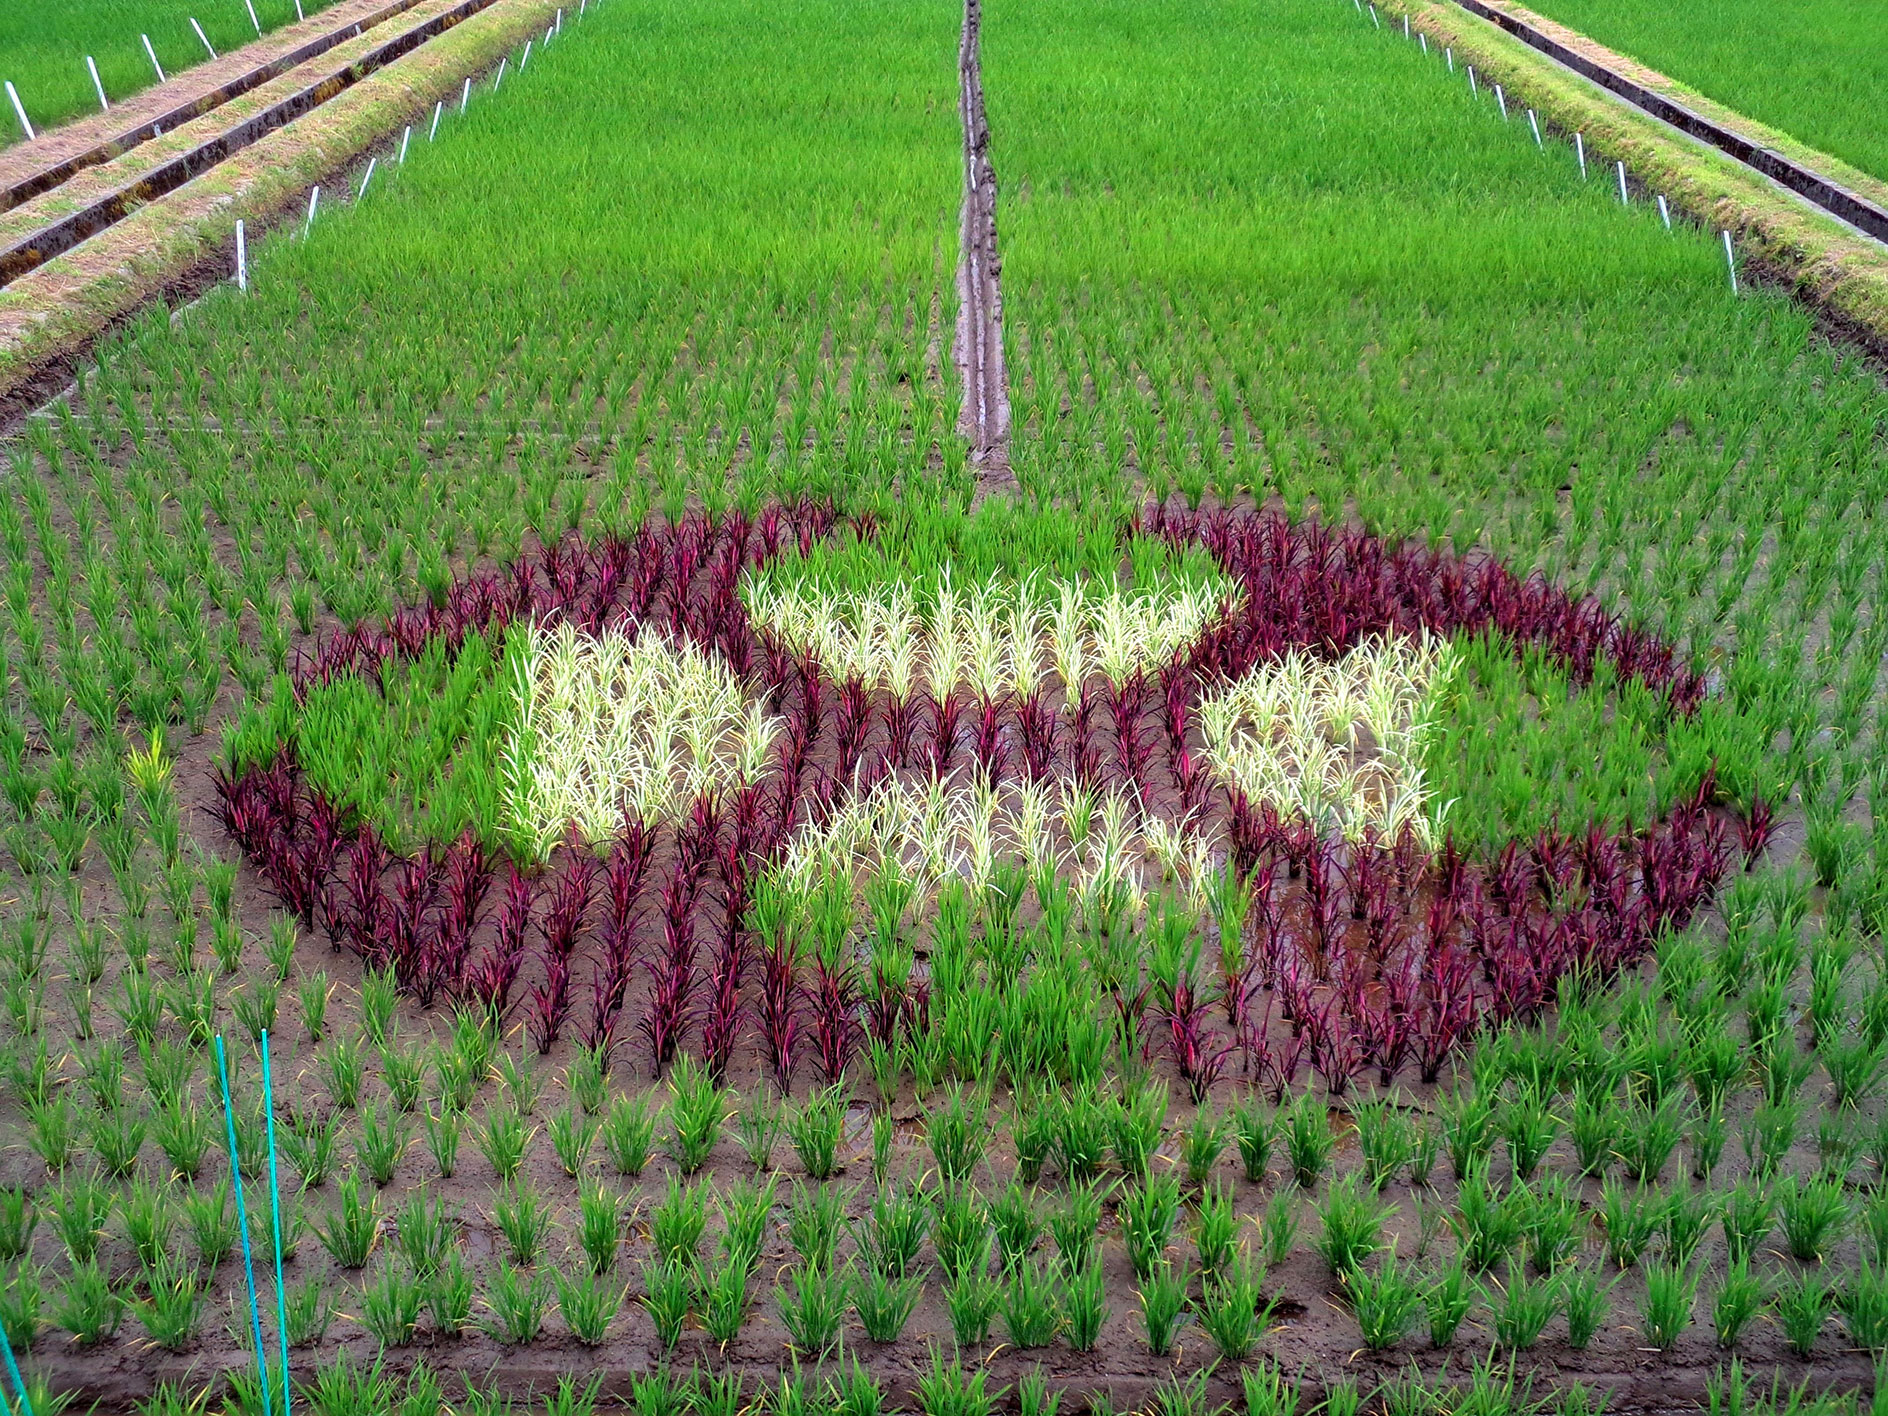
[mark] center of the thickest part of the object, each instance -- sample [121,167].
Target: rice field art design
[679,796]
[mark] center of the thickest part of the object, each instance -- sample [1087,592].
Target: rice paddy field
[1812,68]
[43,48]
[567,849]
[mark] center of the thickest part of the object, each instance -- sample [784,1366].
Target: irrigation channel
[52,208]
[979,339]
[1812,186]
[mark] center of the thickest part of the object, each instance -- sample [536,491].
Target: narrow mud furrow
[978,347]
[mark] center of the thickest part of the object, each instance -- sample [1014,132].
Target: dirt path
[978,348]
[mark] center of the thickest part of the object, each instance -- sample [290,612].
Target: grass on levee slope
[1817,69]
[43,48]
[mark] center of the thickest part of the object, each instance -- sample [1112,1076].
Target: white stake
[1730,260]
[367,178]
[465,95]
[252,18]
[1579,148]
[1449,54]
[153,53]
[405,138]
[104,104]
[298,10]
[1534,123]
[500,77]
[438,108]
[524,58]
[1665,212]
[1620,167]
[314,197]
[242,259]
[1502,100]
[582,5]
[202,36]
[1423,40]
[1359,4]
[547,33]
[19,111]
[1375,18]
[560,19]
[1406,27]
[1473,87]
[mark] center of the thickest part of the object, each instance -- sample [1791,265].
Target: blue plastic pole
[275,1214]
[13,1369]
[242,1225]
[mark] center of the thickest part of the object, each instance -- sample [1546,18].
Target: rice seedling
[668,1293]
[1163,1295]
[1803,1303]
[448,1292]
[759,1125]
[573,1133]
[383,1140]
[87,1305]
[1523,1307]
[1630,1219]
[1586,1302]
[80,1206]
[1215,1227]
[349,1235]
[172,1312]
[443,1129]
[391,1305]
[812,1303]
[1739,1298]
[516,1298]
[502,1141]
[816,1128]
[629,1135]
[1750,1212]
[896,1230]
[19,1217]
[1386,1303]
[1268,1391]
[884,1304]
[588,1303]
[1812,1215]
[1487,1227]
[1201,1146]
[1308,1140]
[948,1390]
[697,1109]
[1671,1291]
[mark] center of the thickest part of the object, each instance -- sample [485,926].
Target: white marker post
[1534,123]
[1448,53]
[372,162]
[19,111]
[1502,100]
[525,58]
[1473,88]
[1423,40]
[582,5]
[405,138]
[438,108]
[202,36]
[1620,167]
[252,17]
[308,225]
[104,104]
[560,20]
[298,10]
[1665,213]
[1730,261]
[1375,18]
[242,259]
[153,56]
[1406,27]
[499,78]
[465,95]
[1579,149]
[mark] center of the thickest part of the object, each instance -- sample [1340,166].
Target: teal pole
[242,1225]
[6,1347]
[275,1214]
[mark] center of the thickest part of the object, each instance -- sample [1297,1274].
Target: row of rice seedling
[45,54]
[1811,70]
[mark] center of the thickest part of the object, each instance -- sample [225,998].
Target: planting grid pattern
[1114,1151]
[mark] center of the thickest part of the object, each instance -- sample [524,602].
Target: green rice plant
[516,1298]
[884,1133]
[629,1135]
[1352,1225]
[1586,1302]
[442,1139]
[971,1297]
[1033,1397]
[1468,1130]
[391,1305]
[1630,1219]
[1671,1291]
[404,1072]
[384,1139]
[697,1109]
[182,1132]
[81,1206]
[599,1225]
[1739,1298]
[380,995]
[1254,1131]
[899,1221]
[588,1303]
[1073,1226]
[745,1209]
[677,1223]
[1215,1227]
[1709,1132]
[1487,1227]
[659,1393]
[816,1128]
[309,1311]
[1175,1395]
[1447,1298]
[960,1229]
[254,1005]
[1594,1130]
[1308,1140]
[524,1218]
[815,1217]
[1016,1222]
[1136,1122]
[1268,1391]
[212,1224]
[117,1135]
[1713,1063]
[948,1390]
[668,1292]
[1385,1303]
[1201,1146]
[310,1143]
[956,1131]
[1648,1137]
[1163,1295]
[88,1306]
[502,1141]
[1032,1136]
[723,1394]
[148,1219]
[1813,1215]
[721,1297]
[1081,1136]
[1028,1306]
[1768,1134]
[1523,1308]
[1146,1214]
[1749,1215]
[759,1125]
[21,1302]
[345,1071]
[18,1219]
[1084,1307]
[1855,1065]
[53,1131]
[587,1079]
[1863,1303]
[1803,1303]
[172,1311]
[812,1306]
[312,995]
[1278,1228]
[1527,1123]
[884,1304]
[424,1233]
[349,1235]
[1875,1227]
[1837,1144]
[1550,1222]
[1687,1217]
[449,1293]
[343,1387]
[1385,1137]
[573,1132]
